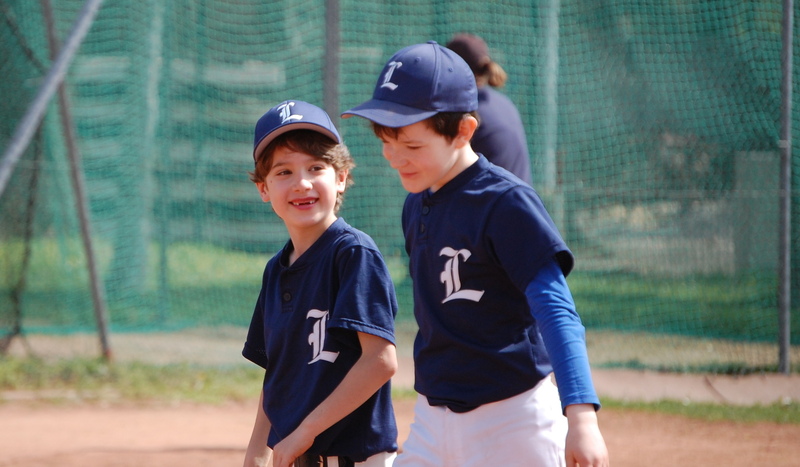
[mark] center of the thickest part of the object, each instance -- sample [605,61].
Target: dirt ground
[70,434]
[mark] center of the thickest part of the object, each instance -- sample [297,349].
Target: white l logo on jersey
[452,280]
[317,337]
[285,111]
[388,75]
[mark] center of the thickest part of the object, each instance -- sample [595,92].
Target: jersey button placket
[286,298]
[287,284]
[422,225]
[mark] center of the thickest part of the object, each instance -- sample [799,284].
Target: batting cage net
[653,127]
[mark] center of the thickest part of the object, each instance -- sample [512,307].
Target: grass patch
[90,379]
[737,307]
[774,413]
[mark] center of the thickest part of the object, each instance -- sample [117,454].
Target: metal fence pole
[785,145]
[79,186]
[330,79]
[550,125]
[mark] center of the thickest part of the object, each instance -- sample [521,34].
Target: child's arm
[377,364]
[258,453]
[554,309]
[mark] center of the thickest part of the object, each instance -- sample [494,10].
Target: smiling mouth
[307,202]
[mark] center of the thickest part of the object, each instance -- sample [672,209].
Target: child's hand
[377,364]
[291,447]
[585,445]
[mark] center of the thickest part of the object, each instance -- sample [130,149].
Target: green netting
[653,129]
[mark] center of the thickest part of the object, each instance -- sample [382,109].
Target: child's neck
[303,239]
[464,159]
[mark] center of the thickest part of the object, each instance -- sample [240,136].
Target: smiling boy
[323,324]
[496,317]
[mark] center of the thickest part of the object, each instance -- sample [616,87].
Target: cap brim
[389,114]
[292,127]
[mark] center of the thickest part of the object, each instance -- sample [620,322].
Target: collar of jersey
[461,179]
[318,247]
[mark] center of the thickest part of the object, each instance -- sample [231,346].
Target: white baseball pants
[527,430]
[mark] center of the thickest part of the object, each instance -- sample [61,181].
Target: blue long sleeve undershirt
[564,336]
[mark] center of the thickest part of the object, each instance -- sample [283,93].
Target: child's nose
[303,182]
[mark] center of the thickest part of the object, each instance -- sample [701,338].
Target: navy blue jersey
[474,246]
[303,333]
[501,136]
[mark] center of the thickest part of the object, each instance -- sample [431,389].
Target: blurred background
[128,225]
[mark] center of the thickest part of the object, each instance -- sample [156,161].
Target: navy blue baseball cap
[292,115]
[418,82]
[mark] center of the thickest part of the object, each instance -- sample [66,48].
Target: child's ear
[341,180]
[262,190]
[466,128]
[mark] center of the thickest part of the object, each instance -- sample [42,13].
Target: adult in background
[500,136]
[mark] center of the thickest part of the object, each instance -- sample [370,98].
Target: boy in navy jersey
[496,318]
[323,325]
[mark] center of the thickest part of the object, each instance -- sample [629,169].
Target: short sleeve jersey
[474,246]
[303,333]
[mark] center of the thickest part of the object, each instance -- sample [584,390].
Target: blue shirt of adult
[501,136]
